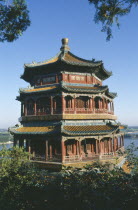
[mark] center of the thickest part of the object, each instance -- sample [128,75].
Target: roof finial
[65,46]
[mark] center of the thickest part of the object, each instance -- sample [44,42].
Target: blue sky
[54,20]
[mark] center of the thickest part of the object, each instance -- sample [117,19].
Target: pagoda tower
[67,115]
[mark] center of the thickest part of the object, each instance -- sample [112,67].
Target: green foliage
[14,174]
[14,19]
[12,160]
[97,186]
[109,11]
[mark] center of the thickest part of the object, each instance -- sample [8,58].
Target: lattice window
[43,106]
[51,79]
[82,103]
[88,146]
[57,105]
[68,102]
[30,107]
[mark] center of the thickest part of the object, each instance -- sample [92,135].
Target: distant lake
[7,145]
[127,141]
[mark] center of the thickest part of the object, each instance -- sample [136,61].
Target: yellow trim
[39,89]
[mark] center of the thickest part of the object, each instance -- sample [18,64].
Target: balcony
[87,111]
[68,113]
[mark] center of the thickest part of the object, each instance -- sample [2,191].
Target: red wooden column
[107,105]
[25,109]
[110,140]
[88,103]
[103,147]
[111,106]
[107,145]
[114,145]
[91,104]
[96,144]
[56,78]
[35,108]
[99,103]
[77,148]
[28,146]
[50,150]
[80,148]
[33,148]
[46,150]
[111,150]
[63,104]
[100,148]
[72,100]
[51,103]
[102,103]
[74,148]
[63,150]
[74,105]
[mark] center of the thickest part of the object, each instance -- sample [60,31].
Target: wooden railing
[78,158]
[53,158]
[70,111]
[87,111]
[90,156]
[72,158]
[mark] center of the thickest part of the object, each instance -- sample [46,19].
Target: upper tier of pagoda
[65,61]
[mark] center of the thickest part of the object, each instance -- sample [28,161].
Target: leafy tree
[14,19]
[96,187]
[15,173]
[108,12]
[22,186]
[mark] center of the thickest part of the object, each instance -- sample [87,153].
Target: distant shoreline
[7,142]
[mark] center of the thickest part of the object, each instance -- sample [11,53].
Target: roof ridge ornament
[65,47]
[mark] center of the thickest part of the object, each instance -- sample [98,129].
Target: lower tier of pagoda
[70,141]
[73,149]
